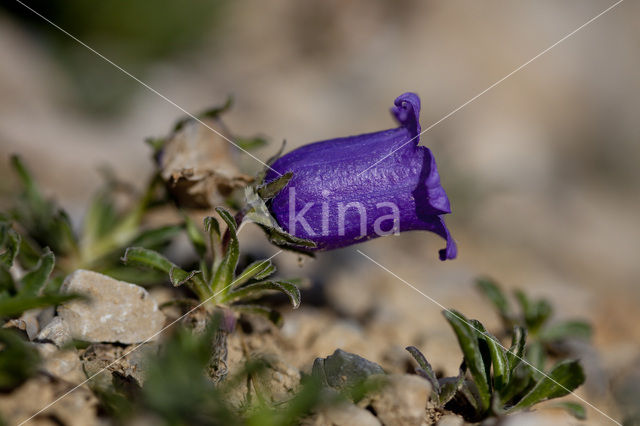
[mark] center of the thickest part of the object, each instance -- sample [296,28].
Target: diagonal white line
[145,85]
[431,299]
[147,340]
[494,84]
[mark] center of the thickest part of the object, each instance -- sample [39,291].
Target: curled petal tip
[406,109]
[449,252]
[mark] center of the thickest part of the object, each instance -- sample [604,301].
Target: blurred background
[542,171]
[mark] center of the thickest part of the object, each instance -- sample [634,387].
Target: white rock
[115,312]
[403,401]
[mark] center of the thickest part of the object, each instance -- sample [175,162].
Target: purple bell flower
[348,190]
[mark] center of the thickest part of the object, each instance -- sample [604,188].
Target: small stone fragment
[116,311]
[27,323]
[278,381]
[403,400]
[64,364]
[451,420]
[346,414]
[342,369]
[56,332]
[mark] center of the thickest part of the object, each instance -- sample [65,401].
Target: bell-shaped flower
[347,190]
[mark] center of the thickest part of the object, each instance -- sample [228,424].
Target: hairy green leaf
[258,270]
[211,113]
[573,408]
[156,237]
[567,329]
[255,290]
[10,242]
[468,341]
[565,377]
[195,236]
[520,380]
[14,306]
[34,281]
[426,369]
[448,388]
[146,258]
[499,358]
[251,143]
[516,351]
[536,356]
[494,293]
[225,272]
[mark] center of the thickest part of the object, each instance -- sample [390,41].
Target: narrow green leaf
[273,316]
[449,386]
[211,225]
[255,290]
[212,229]
[495,295]
[14,306]
[258,270]
[34,281]
[215,111]
[31,189]
[100,218]
[146,258]
[251,143]
[516,351]
[535,354]
[11,244]
[210,113]
[156,237]
[535,313]
[542,312]
[468,341]
[520,380]
[499,358]
[195,236]
[271,189]
[567,329]
[179,276]
[565,377]
[7,284]
[426,368]
[225,272]
[576,410]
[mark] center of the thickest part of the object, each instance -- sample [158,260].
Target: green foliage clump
[545,336]
[216,282]
[494,381]
[105,231]
[36,288]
